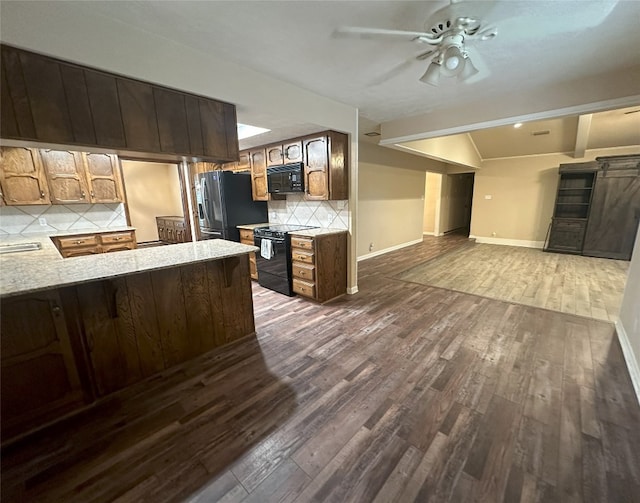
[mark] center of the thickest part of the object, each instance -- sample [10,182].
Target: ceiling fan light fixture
[432,75]
[469,70]
[453,61]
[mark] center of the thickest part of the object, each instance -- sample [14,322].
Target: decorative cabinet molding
[43,176]
[48,100]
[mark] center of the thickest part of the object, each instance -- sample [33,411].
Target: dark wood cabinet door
[138,111]
[292,152]
[103,177]
[259,175]
[17,92]
[39,375]
[214,135]
[65,174]
[47,98]
[172,121]
[22,178]
[8,121]
[316,160]
[78,103]
[231,130]
[105,109]
[614,215]
[194,125]
[566,235]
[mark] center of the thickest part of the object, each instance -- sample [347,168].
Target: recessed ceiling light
[517,125]
[246,131]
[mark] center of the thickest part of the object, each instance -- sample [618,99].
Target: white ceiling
[543,48]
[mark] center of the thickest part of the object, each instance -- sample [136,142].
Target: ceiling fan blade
[426,54]
[381,32]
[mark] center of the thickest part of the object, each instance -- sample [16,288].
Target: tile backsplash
[27,219]
[296,210]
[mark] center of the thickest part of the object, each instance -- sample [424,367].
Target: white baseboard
[351,290]
[508,242]
[629,357]
[390,249]
[428,233]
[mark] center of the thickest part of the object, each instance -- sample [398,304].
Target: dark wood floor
[402,392]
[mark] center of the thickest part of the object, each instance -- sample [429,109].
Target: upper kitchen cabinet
[103,178]
[65,175]
[52,101]
[292,152]
[22,177]
[259,174]
[325,158]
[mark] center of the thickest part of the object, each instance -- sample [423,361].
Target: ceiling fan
[448,31]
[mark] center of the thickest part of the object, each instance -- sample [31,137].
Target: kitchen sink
[19,247]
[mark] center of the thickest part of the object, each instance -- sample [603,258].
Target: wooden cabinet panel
[259,175]
[47,98]
[78,104]
[65,175]
[214,134]
[244,161]
[76,241]
[21,176]
[304,271]
[194,125]
[103,177]
[17,92]
[274,155]
[231,130]
[138,111]
[338,150]
[566,235]
[316,168]
[39,376]
[292,152]
[173,229]
[246,237]
[105,109]
[614,215]
[8,118]
[90,244]
[172,121]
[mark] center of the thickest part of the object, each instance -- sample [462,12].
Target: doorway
[153,189]
[456,203]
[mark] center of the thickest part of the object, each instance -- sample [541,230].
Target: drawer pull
[79,242]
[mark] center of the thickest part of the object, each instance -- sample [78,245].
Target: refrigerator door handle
[205,201]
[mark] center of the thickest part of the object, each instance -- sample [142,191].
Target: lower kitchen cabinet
[173,229]
[39,377]
[90,244]
[319,265]
[246,237]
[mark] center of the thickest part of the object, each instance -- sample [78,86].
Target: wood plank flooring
[586,286]
[402,392]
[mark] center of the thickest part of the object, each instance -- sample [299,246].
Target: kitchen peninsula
[77,329]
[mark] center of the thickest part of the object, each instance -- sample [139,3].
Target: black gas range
[274,258]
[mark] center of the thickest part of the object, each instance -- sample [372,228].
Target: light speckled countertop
[36,270]
[320,231]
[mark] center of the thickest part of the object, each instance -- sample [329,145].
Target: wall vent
[541,133]
[372,133]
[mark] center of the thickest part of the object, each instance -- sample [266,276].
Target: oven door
[274,273]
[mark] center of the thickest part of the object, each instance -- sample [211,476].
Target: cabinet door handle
[42,194]
[79,242]
[83,194]
[56,310]
[92,194]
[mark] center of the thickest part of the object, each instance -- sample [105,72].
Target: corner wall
[628,325]
[391,188]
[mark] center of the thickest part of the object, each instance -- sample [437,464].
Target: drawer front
[304,288]
[304,271]
[302,256]
[569,225]
[300,242]
[567,236]
[118,247]
[78,241]
[80,251]
[246,236]
[116,237]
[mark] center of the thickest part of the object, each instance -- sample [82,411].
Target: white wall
[432,193]
[153,190]
[457,149]
[628,326]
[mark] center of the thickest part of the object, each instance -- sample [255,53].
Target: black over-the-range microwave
[286,178]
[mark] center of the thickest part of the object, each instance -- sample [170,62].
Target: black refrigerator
[224,201]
